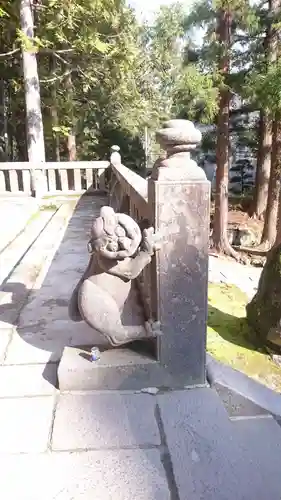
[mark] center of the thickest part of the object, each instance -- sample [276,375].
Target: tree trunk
[71,139]
[270,221]
[269,230]
[34,122]
[222,158]
[54,114]
[220,237]
[263,166]
[265,139]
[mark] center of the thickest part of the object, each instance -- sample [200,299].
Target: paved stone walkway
[14,214]
[54,445]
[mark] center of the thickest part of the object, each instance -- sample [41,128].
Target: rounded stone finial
[178,138]
[178,135]
[115,157]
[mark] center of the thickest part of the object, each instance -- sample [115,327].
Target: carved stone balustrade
[175,201]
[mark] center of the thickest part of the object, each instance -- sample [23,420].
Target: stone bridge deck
[179,445]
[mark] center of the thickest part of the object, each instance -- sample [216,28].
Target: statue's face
[115,236]
[118,241]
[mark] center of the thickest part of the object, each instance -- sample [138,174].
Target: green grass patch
[47,207]
[231,340]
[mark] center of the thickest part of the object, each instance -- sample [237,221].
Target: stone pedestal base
[117,369]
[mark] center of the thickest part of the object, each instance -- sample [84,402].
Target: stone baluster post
[179,200]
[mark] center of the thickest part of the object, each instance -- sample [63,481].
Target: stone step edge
[23,242]
[29,219]
[59,219]
[257,393]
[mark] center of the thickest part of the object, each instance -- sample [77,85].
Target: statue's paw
[151,240]
[153,328]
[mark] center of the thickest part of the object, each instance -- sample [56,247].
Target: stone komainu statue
[118,254]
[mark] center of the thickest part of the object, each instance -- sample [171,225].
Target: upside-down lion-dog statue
[118,254]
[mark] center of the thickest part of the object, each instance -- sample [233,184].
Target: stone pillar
[39,182]
[179,200]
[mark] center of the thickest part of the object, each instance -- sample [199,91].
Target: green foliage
[196,95]
[265,87]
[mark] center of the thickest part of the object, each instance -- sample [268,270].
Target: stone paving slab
[25,348]
[207,459]
[27,380]
[103,475]
[25,424]
[14,252]
[23,278]
[261,440]
[44,324]
[104,421]
[15,213]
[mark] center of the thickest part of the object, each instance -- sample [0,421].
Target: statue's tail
[73,308]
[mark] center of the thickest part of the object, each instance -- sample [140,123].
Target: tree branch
[55,78]
[67,63]
[11,53]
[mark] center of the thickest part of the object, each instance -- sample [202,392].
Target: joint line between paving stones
[147,446]
[50,437]
[31,396]
[251,417]
[49,451]
[165,457]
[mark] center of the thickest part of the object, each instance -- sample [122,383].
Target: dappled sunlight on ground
[231,341]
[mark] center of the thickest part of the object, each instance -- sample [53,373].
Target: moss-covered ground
[232,341]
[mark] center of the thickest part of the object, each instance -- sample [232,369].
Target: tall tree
[223,54]
[34,121]
[265,59]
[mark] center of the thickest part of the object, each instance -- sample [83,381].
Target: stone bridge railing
[52,177]
[175,200]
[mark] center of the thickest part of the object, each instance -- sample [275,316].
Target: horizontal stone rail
[52,177]
[131,188]
[129,194]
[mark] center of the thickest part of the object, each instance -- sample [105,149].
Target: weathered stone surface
[179,201]
[260,440]
[102,475]
[13,253]
[25,424]
[264,310]
[104,421]
[257,393]
[207,459]
[237,405]
[182,266]
[20,210]
[25,275]
[178,132]
[27,380]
